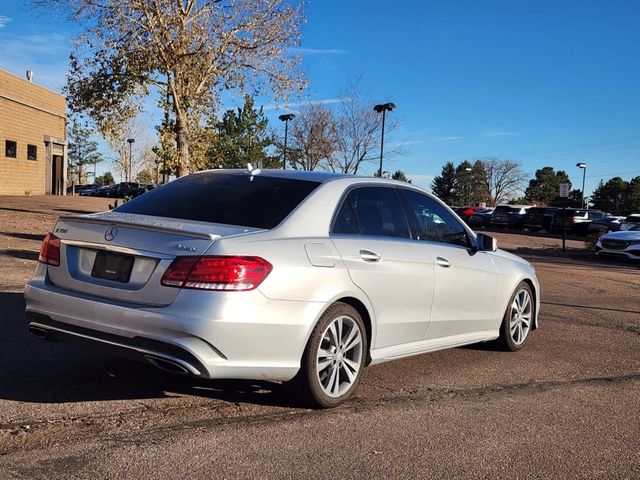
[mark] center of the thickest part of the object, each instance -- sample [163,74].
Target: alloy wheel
[520,323]
[339,358]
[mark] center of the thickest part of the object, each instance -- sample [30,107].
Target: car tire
[517,321]
[333,359]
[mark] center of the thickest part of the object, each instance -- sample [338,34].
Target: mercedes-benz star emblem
[111,233]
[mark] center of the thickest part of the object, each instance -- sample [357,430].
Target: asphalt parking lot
[564,407]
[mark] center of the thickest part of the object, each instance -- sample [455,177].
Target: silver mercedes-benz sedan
[303,277]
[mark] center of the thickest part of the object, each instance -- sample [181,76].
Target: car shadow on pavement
[37,371]
[25,236]
[22,254]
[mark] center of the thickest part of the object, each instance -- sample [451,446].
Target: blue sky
[540,82]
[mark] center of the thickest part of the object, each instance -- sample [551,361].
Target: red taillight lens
[50,250]
[217,273]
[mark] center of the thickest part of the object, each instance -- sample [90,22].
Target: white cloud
[421,180]
[405,143]
[45,54]
[292,105]
[318,51]
[4,20]
[447,139]
[499,133]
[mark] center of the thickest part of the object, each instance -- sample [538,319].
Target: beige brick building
[33,152]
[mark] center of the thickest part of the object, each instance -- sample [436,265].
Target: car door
[372,235]
[465,280]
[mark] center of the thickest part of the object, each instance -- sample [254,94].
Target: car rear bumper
[241,335]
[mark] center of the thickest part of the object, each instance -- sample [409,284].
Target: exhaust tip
[38,332]
[167,365]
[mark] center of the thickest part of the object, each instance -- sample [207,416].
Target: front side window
[378,212]
[432,221]
[10,149]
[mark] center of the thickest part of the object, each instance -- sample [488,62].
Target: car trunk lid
[122,256]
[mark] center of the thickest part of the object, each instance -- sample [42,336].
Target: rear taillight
[217,273]
[50,250]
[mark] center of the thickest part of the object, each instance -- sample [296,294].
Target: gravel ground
[566,406]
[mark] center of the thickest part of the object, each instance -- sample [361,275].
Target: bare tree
[312,138]
[117,142]
[188,50]
[358,129]
[504,179]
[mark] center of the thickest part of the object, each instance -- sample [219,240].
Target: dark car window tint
[345,221]
[432,221]
[378,212]
[232,199]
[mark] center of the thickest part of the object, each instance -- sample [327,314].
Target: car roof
[313,176]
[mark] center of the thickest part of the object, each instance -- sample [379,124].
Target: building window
[10,149]
[32,152]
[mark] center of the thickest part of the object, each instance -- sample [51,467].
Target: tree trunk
[182,145]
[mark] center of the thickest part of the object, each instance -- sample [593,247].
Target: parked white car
[621,244]
[282,275]
[630,222]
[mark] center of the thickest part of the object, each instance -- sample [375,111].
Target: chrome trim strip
[142,351]
[117,249]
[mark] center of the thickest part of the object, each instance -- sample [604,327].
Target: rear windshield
[231,199]
[506,209]
[569,212]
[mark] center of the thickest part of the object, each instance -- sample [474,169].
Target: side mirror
[486,243]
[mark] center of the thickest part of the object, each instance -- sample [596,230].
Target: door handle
[369,256]
[443,262]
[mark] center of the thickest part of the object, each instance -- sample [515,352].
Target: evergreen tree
[105,179]
[444,185]
[480,192]
[464,183]
[401,176]
[82,152]
[611,196]
[243,138]
[545,187]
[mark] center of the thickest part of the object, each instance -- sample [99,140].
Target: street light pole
[383,107]
[130,142]
[285,118]
[583,166]
[468,170]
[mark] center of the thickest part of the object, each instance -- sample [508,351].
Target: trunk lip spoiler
[140,226]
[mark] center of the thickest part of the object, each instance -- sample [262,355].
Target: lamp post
[130,141]
[583,166]
[285,118]
[383,107]
[468,170]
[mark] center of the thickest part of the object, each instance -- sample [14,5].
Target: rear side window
[378,212]
[632,219]
[230,199]
[345,221]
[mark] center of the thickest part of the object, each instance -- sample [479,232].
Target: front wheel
[518,319]
[333,359]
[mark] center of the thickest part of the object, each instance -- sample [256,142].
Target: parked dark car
[608,223]
[577,220]
[465,212]
[511,216]
[78,189]
[539,218]
[481,218]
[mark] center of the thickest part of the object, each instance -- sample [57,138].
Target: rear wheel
[333,359]
[518,319]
